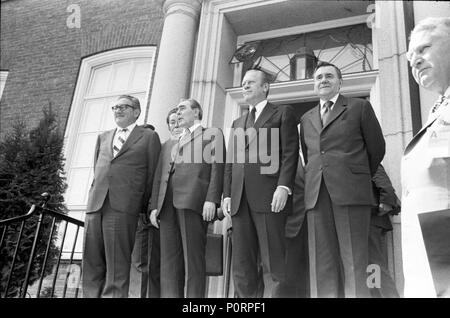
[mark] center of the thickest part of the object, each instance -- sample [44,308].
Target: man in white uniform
[426,169]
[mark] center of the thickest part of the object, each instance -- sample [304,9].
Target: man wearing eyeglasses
[125,160]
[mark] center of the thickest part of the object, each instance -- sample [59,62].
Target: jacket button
[322,152]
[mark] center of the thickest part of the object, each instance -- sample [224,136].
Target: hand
[209,211]
[279,199]
[153,219]
[384,209]
[143,219]
[226,207]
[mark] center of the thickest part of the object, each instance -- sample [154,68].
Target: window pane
[84,150]
[108,117]
[100,79]
[92,116]
[140,80]
[78,186]
[349,48]
[121,77]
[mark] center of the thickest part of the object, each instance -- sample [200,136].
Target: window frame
[87,65]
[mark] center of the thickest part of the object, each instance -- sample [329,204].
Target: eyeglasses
[121,107]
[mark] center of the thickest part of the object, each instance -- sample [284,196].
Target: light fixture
[245,52]
[303,63]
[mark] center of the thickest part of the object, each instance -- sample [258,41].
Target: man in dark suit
[380,224]
[342,145]
[187,191]
[124,165]
[257,192]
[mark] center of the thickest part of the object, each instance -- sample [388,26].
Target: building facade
[77,56]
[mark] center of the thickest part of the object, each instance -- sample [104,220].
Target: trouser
[339,244]
[108,243]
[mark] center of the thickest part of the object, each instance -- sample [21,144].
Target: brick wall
[42,54]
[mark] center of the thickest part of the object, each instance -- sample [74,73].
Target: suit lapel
[134,136]
[337,110]
[315,119]
[109,141]
[267,112]
[417,136]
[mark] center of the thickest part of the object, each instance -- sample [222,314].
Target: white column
[174,62]
[395,106]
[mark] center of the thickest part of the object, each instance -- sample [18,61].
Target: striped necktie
[326,113]
[119,141]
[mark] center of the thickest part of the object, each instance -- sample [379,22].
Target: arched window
[102,78]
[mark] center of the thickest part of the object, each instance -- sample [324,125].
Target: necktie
[119,141]
[176,149]
[251,118]
[326,113]
[438,103]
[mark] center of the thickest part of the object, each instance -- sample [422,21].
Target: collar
[334,99]
[130,127]
[192,128]
[447,93]
[259,107]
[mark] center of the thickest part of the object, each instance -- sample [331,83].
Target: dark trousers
[145,267]
[378,255]
[108,243]
[257,234]
[183,248]
[339,244]
[296,284]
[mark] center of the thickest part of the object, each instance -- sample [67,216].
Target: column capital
[187,7]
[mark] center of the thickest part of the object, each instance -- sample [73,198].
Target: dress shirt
[322,102]
[123,134]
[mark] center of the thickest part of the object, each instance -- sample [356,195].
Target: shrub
[31,162]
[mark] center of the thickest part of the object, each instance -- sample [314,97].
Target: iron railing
[58,281]
[59,226]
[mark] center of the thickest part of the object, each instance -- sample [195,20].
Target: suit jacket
[197,178]
[384,193]
[128,177]
[284,148]
[426,180]
[346,152]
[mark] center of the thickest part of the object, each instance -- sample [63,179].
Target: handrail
[30,213]
[62,216]
[43,212]
[39,209]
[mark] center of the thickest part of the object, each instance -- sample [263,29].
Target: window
[3,76]
[102,78]
[348,47]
